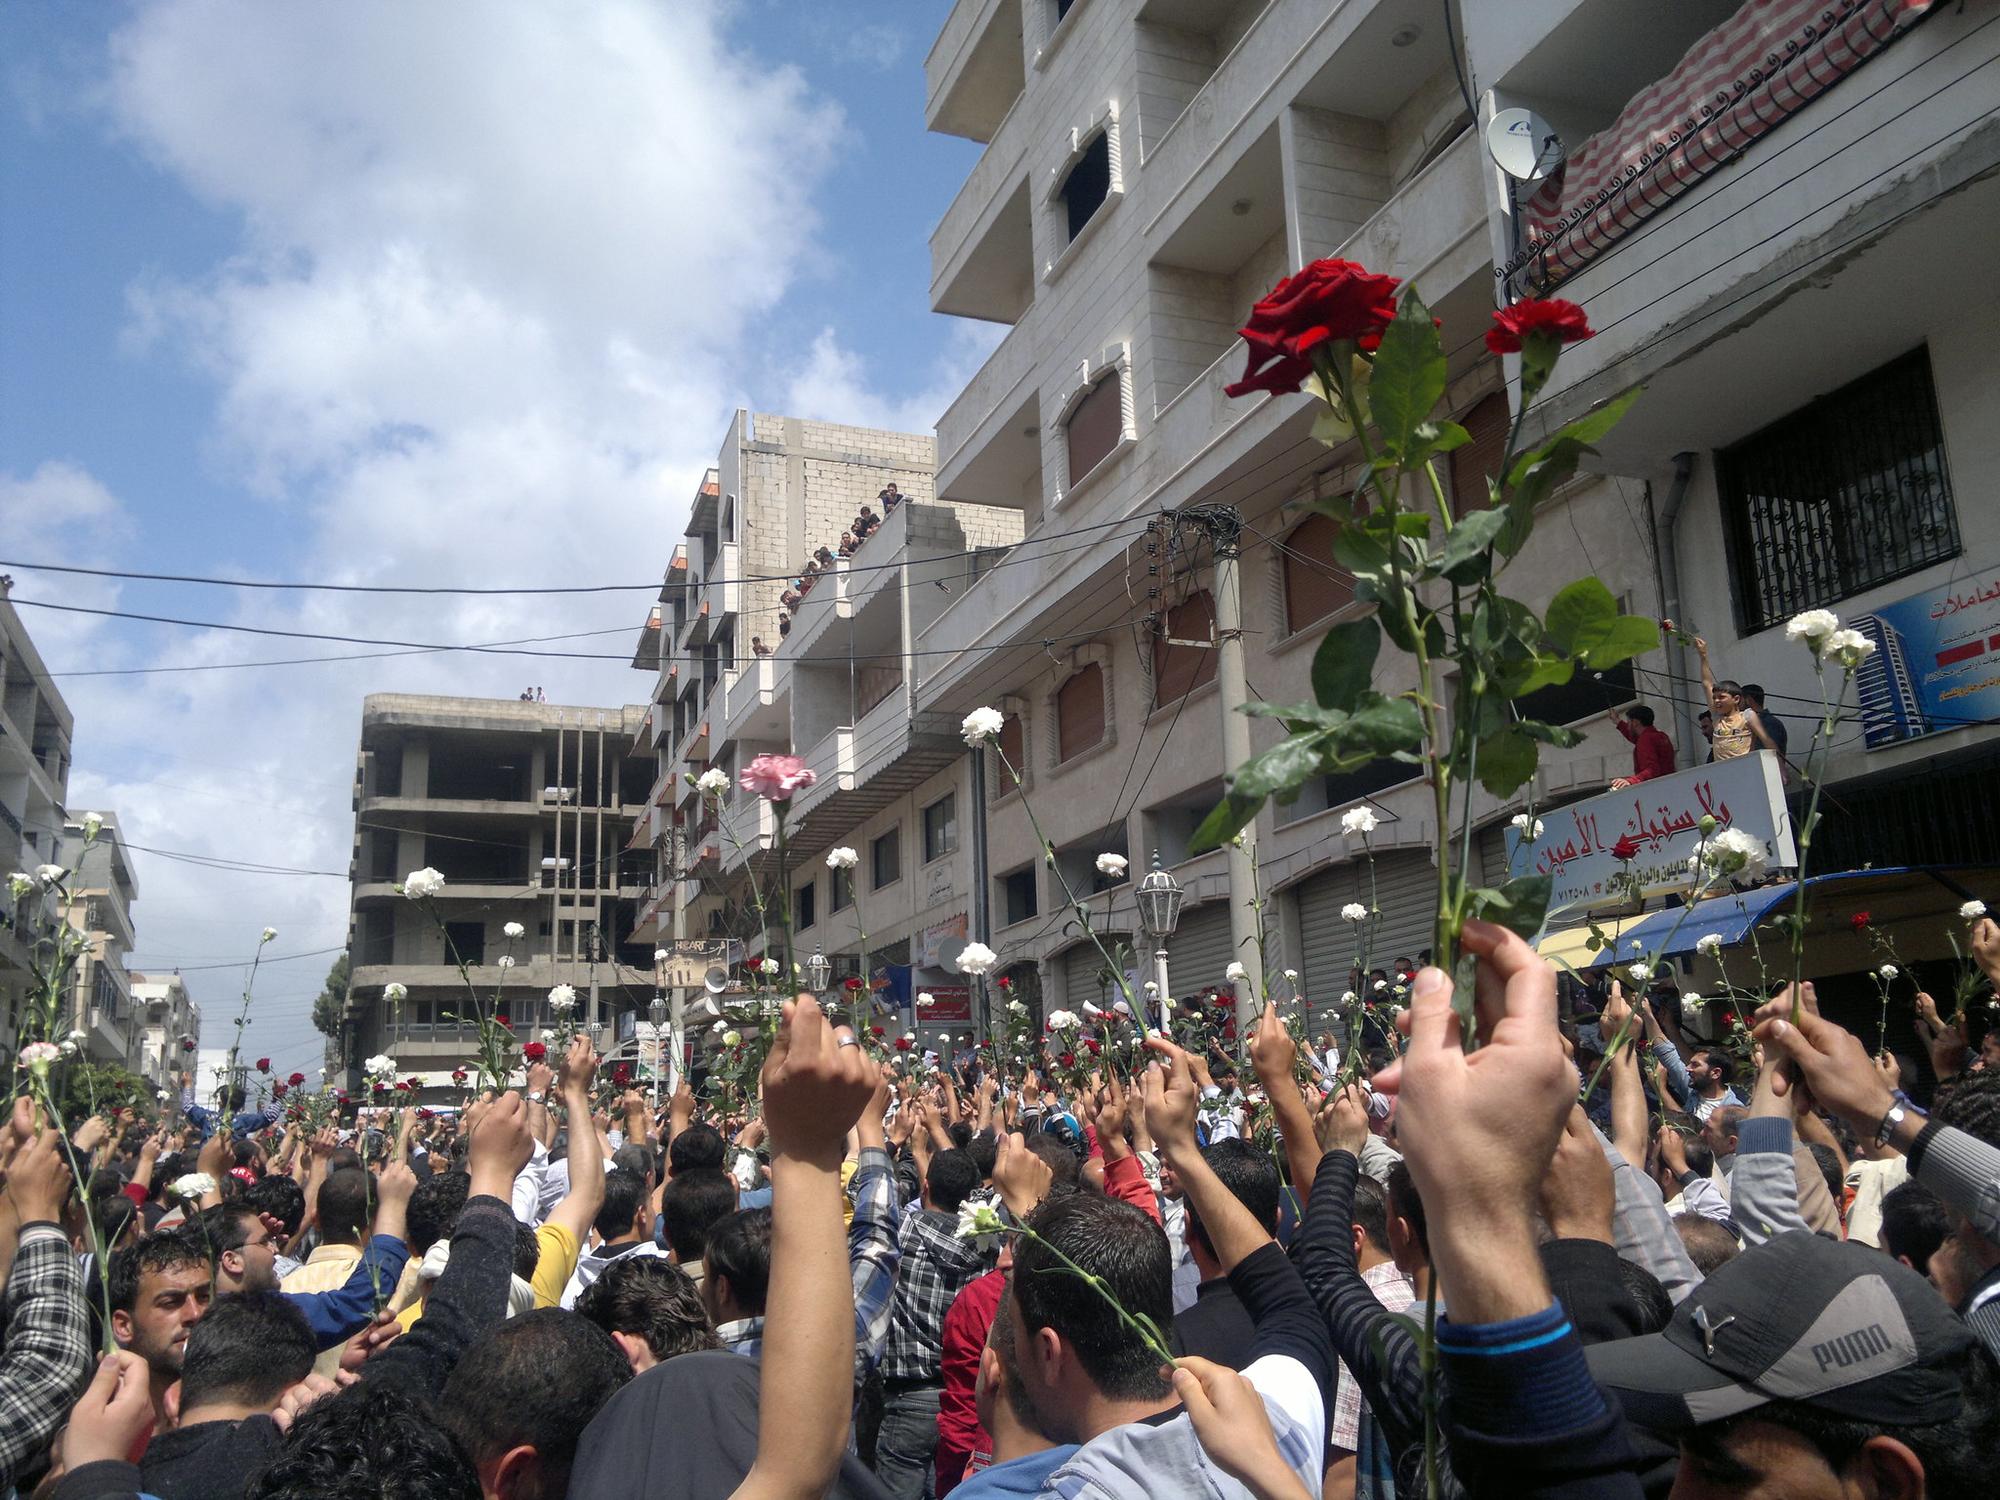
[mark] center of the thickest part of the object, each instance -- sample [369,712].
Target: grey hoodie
[590,1265]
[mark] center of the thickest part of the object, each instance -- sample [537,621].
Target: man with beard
[159,1289]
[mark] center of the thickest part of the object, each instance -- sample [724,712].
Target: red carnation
[187,1044]
[1094,1045]
[1627,848]
[381,1088]
[425,1114]
[296,1079]
[1859,919]
[902,1044]
[1550,318]
[876,1031]
[1329,300]
[534,1052]
[1068,1059]
[458,1075]
[403,1087]
[1004,982]
[621,1074]
[263,1065]
[851,984]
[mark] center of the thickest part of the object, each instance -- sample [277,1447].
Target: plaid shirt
[873,1255]
[936,1266]
[1344,1420]
[46,1361]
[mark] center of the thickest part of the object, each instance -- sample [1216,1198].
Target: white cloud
[833,382]
[483,323]
[60,512]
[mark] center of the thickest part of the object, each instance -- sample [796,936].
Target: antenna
[1523,145]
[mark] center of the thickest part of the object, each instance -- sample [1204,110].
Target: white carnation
[1529,827]
[925,1000]
[981,725]
[50,874]
[395,991]
[1709,944]
[505,961]
[1348,997]
[19,884]
[1017,1007]
[768,966]
[1235,972]
[562,999]
[1358,820]
[193,1187]
[1063,1020]
[713,782]
[513,931]
[1691,1001]
[37,1056]
[1812,627]
[1889,971]
[1111,865]
[269,933]
[421,883]
[1850,648]
[842,858]
[1640,972]
[660,955]
[93,824]
[1354,911]
[981,1224]
[1731,853]
[976,958]
[381,1065]
[732,1038]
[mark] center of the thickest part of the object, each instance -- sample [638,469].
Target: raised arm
[815,1086]
[578,1209]
[1274,1055]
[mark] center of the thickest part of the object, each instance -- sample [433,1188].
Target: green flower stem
[1624,1032]
[791,970]
[39,1084]
[1815,773]
[1146,1328]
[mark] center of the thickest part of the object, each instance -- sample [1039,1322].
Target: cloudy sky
[455,294]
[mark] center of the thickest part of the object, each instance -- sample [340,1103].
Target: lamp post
[819,972]
[657,1014]
[1159,898]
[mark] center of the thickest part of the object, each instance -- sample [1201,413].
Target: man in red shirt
[1652,751]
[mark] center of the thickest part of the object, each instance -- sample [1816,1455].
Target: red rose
[1327,301]
[1627,848]
[621,1075]
[1552,318]
[1004,982]
[902,1044]
[534,1052]
[876,1031]
[296,1079]
[403,1087]
[187,1044]
[458,1075]
[381,1088]
[1859,919]
[851,985]
[263,1065]
[425,1114]
[1094,1045]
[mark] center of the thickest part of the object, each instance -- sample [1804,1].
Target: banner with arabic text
[1936,665]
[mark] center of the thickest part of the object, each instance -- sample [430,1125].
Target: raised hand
[1577,1197]
[1273,1053]
[501,1145]
[1021,1177]
[1342,1121]
[1171,1098]
[114,1412]
[815,1085]
[1832,1063]
[38,1180]
[1233,1428]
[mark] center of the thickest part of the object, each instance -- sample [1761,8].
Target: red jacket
[1652,751]
[966,1326]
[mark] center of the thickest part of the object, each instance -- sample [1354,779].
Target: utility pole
[1224,526]
[982,919]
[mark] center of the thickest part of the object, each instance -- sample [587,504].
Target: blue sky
[332,293]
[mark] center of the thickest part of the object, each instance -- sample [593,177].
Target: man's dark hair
[1914,1224]
[167,1250]
[654,1299]
[1065,1171]
[1720,1063]
[985,1150]
[960,1133]
[281,1198]
[1829,1167]
[233,1097]
[1709,1244]
[536,1379]
[344,1203]
[1115,1241]
[247,1348]
[1639,713]
[1371,1213]
[1754,691]
[950,1179]
[1972,1105]
[112,1214]
[434,1209]
[635,1158]
[343,1157]
[624,1196]
[1252,1179]
[227,1226]
[696,1149]
[373,1439]
[527,1251]
[1407,1204]
[739,1251]
[1956,1454]
[694,1200]
[1700,1160]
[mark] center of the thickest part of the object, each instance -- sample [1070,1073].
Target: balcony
[816,612]
[722,585]
[983,249]
[864,768]
[975,70]
[414,812]
[756,695]
[989,440]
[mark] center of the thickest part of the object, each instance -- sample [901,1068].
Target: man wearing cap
[1806,1367]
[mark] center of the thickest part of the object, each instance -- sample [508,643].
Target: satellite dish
[716,980]
[1523,145]
[948,954]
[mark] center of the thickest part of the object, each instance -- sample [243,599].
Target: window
[1018,897]
[1349,787]
[1063,9]
[941,827]
[885,859]
[1315,585]
[842,895]
[1095,427]
[805,905]
[1179,669]
[465,942]
[1838,497]
[1080,712]
[1488,423]
[1088,183]
[1584,696]
[1013,754]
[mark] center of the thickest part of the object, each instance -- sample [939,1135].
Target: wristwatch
[1896,1115]
[536,1097]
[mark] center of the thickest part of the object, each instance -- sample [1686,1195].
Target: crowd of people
[1503,1252]
[865,524]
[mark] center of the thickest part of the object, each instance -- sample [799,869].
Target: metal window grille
[1847,493]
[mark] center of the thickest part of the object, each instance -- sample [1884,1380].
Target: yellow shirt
[552,1271]
[1733,736]
[325,1270]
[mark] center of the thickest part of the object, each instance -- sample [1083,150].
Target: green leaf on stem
[1467,555]
[1537,473]
[1409,377]
[1435,438]
[1345,663]
[1583,620]
[1521,905]
[1378,726]
[1506,760]
[1559,735]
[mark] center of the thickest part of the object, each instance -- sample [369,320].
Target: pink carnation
[776,777]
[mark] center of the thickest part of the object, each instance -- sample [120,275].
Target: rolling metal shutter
[1199,950]
[1082,970]
[1406,887]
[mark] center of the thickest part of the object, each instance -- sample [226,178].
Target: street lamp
[819,972]
[1159,898]
[657,1014]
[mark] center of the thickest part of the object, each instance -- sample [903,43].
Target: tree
[332,999]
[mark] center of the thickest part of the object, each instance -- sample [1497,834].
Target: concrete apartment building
[892,780]
[1806,304]
[527,810]
[102,891]
[168,1015]
[35,731]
